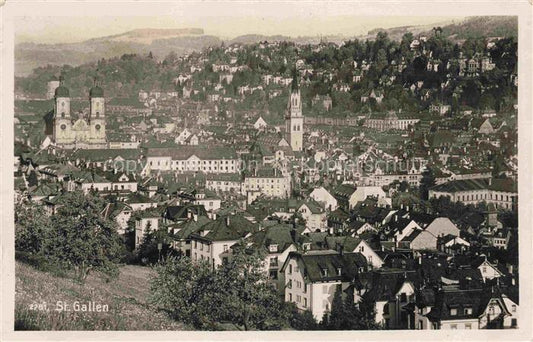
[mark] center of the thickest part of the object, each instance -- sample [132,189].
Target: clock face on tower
[97,127]
[63,126]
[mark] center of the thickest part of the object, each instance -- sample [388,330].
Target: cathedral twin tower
[86,131]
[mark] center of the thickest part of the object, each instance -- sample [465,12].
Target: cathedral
[85,131]
[294,120]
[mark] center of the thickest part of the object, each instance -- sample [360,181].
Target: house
[471,309]
[276,241]
[324,197]
[224,182]
[427,238]
[120,212]
[362,192]
[212,244]
[313,214]
[311,279]
[144,220]
[269,182]
[355,245]
[488,270]
[486,128]
[390,290]
[260,123]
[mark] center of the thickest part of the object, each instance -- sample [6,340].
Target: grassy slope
[126,297]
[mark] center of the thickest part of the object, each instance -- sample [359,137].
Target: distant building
[501,192]
[391,120]
[193,158]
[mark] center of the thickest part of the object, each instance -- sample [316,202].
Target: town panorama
[273,185]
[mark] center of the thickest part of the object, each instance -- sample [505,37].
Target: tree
[337,316]
[77,237]
[236,292]
[302,320]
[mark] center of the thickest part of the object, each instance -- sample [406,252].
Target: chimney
[340,249]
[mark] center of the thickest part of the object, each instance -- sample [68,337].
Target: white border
[521,8]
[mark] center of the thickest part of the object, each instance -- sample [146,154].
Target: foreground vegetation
[127,298]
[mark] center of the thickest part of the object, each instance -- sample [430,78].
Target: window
[305,302]
[468,325]
[453,312]
[453,326]
[273,274]
[225,248]
[513,322]
[513,308]
[339,271]
[289,284]
[324,272]
[403,298]
[298,298]
[290,269]
[273,248]
[468,311]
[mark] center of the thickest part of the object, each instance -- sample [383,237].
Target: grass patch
[126,297]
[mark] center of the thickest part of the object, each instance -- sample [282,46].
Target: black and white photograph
[282,166]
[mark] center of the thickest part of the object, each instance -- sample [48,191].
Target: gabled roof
[324,266]
[185,152]
[278,234]
[228,228]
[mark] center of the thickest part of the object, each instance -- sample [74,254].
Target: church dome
[96,91]
[62,91]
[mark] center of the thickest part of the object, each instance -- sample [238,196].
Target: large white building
[215,159]
[268,182]
[503,193]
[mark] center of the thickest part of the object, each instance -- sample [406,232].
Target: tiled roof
[324,266]
[506,185]
[185,152]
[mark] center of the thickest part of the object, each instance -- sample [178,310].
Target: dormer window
[339,271]
[324,272]
[453,312]
[273,248]
[306,246]
[468,311]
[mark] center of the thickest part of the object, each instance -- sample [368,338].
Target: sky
[225,20]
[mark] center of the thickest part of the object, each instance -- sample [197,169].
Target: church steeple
[294,123]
